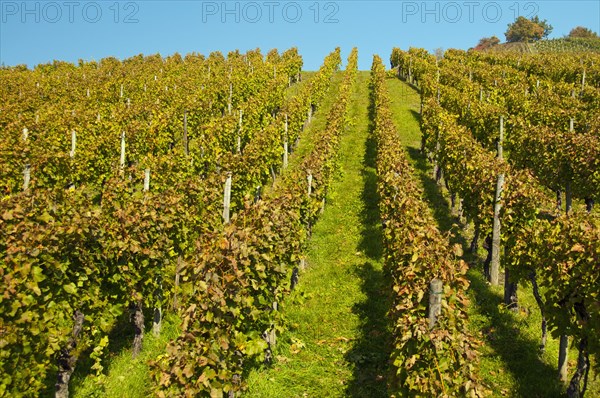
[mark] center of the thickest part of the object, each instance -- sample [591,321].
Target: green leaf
[70,288]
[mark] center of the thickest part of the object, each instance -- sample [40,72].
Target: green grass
[338,342]
[511,363]
[317,124]
[124,377]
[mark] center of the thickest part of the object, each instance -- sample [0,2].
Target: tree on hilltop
[487,42]
[581,32]
[527,30]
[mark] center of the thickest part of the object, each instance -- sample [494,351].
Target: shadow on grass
[533,377]
[441,211]
[120,339]
[370,353]
[520,353]
[416,115]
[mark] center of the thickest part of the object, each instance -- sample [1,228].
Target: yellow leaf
[577,247]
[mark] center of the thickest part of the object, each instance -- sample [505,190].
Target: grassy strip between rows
[338,344]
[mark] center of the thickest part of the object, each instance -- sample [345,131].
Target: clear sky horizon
[34,32]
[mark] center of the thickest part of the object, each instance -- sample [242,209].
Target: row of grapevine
[559,130]
[556,254]
[240,274]
[572,68]
[539,117]
[76,259]
[153,120]
[438,359]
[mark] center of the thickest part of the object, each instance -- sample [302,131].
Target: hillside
[550,46]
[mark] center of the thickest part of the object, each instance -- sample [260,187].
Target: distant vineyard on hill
[563,45]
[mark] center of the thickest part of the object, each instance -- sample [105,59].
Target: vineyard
[207,195]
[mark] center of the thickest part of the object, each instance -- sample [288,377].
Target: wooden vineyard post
[563,349]
[563,358]
[227,199]
[571,125]
[27,167]
[186,147]
[73,143]
[437,81]
[122,160]
[72,153]
[501,139]
[436,168]
[558,201]
[309,180]
[26,177]
[495,261]
[136,317]
[157,315]
[273,175]
[568,197]
[285,144]
[435,301]
[230,98]
[239,137]
[568,191]
[146,180]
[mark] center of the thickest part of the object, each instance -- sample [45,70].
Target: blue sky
[33,32]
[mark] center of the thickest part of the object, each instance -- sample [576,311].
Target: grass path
[337,343]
